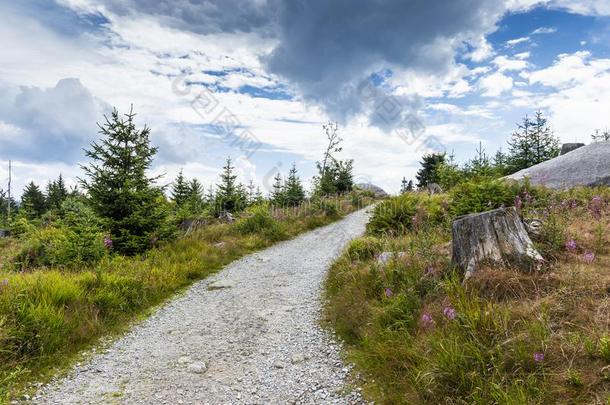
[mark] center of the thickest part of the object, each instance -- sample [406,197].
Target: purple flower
[388,292]
[588,257]
[108,242]
[518,203]
[4,283]
[596,207]
[538,357]
[430,271]
[571,245]
[426,319]
[449,312]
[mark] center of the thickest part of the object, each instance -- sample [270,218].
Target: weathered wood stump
[496,237]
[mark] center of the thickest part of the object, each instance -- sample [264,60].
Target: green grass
[418,335]
[47,316]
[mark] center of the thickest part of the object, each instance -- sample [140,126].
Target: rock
[197,368]
[278,364]
[569,147]
[184,360]
[377,191]
[434,188]
[220,285]
[586,166]
[297,358]
[492,237]
[385,257]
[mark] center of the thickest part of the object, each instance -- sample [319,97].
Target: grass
[48,316]
[417,335]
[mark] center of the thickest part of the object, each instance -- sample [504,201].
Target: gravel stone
[221,346]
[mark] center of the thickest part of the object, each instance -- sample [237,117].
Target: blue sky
[256,79]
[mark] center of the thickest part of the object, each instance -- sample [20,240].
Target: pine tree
[4,204]
[500,163]
[325,181]
[251,192]
[406,186]
[228,196]
[293,191]
[532,143]
[427,174]
[56,193]
[195,196]
[344,181]
[278,197]
[33,201]
[180,190]
[119,188]
[481,165]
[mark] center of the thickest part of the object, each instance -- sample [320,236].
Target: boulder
[586,166]
[376,190]
[569,147]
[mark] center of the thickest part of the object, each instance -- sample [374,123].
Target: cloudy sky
[256,79]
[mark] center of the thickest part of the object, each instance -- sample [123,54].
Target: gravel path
[248,335]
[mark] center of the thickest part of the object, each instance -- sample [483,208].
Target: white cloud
[505,64]
[544,30]
[495,84]
[523,55]
[513,42]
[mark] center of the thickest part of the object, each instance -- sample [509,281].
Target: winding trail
[248,335]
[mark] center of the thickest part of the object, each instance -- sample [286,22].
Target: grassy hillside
[48,314]
[507,337]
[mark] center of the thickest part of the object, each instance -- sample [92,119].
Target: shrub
[260,221]
[364,248]
[326,206]
[482,195]
[406,212]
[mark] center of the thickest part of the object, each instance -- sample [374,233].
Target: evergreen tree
[180,190]
[532,143]
[119,188]
[4,204]
[294,193]
[196,200]
[228,196]
[344,181]
[251,192]
[278,197]
[406,186]
[258,196]
[480,166]
[33,201]
[56,193]
[427,174]
[500,163]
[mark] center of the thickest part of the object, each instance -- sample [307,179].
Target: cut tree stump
[496,237]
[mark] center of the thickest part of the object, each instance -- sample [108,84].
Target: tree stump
[496,237]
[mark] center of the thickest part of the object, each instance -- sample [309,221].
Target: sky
[255,80]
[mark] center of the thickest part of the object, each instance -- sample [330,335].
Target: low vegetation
[418,335]
[86,262]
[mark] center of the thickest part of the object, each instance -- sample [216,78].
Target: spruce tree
[410,186]
[344,180]
[427,174]
[227,191]
[56,193]
[294,193]
[278,197]
[33,201]
[180,190]
[119,188]
[406,186]
[4,204]
[532,143]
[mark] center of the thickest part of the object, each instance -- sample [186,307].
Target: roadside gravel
[248,335]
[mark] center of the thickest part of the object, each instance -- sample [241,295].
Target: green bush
[258,220]
[406,212]
[364,248]
[482,195]
[75,239]
[327,207]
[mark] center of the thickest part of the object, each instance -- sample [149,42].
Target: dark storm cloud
[204,16]
[325,48]
[48,124]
